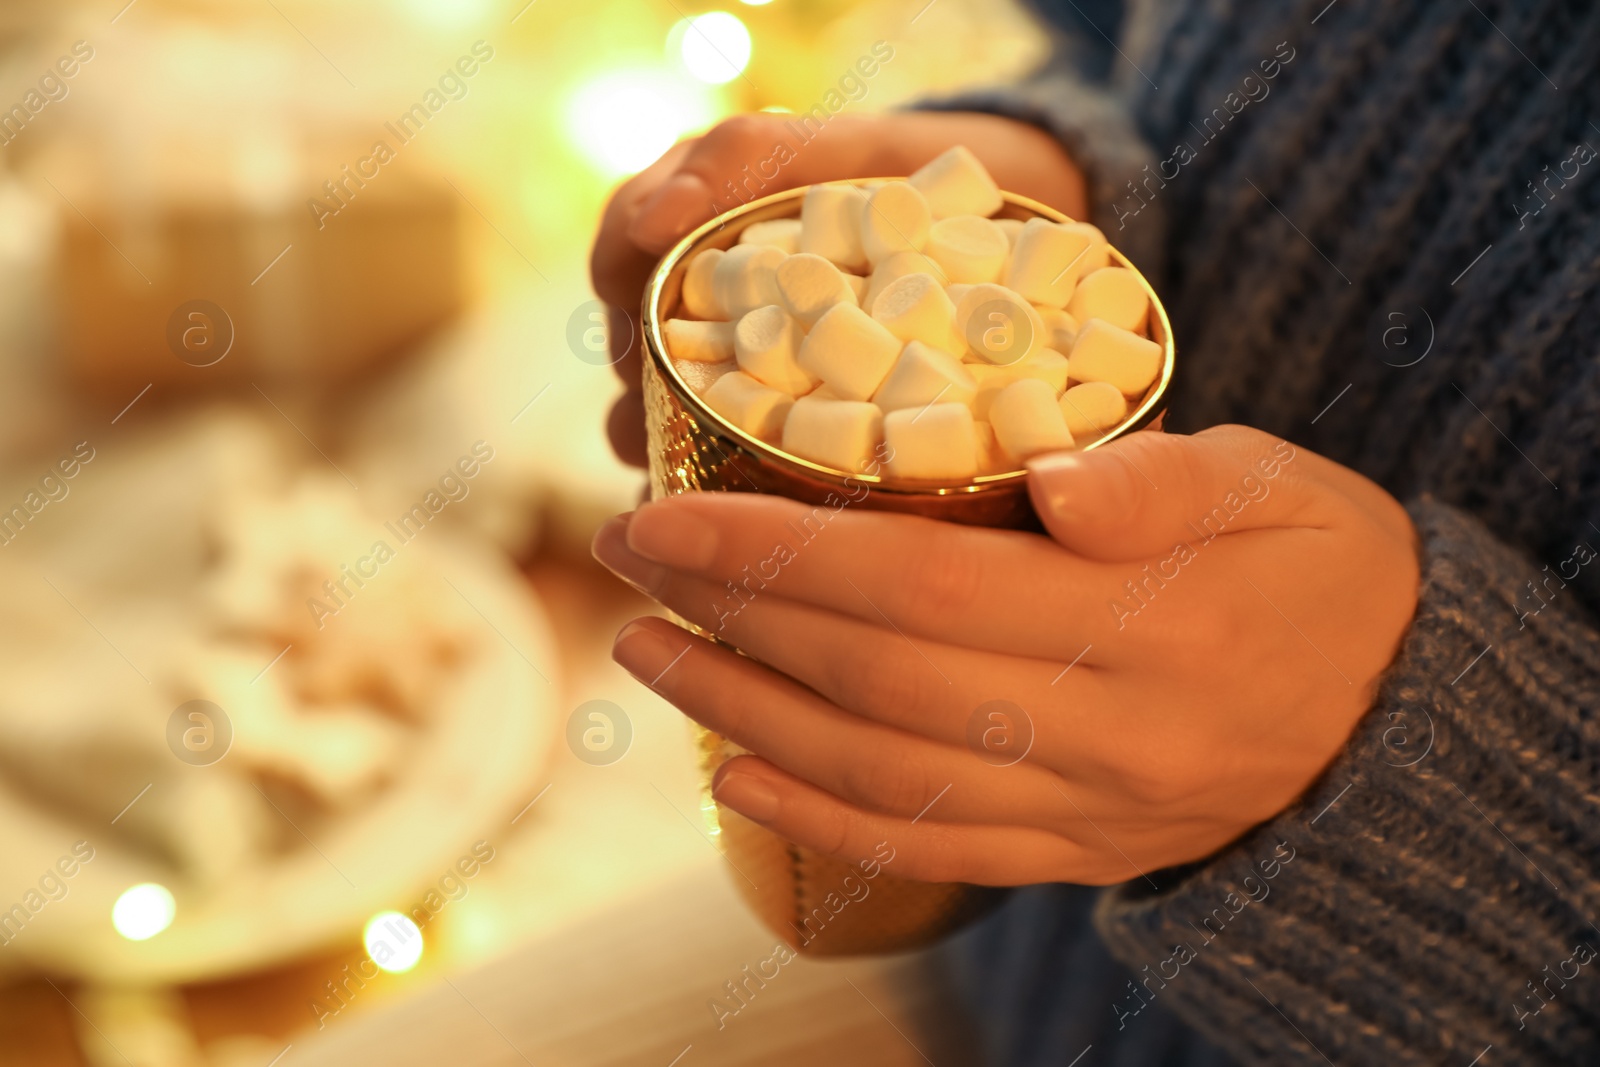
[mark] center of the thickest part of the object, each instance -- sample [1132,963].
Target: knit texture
[1388,251]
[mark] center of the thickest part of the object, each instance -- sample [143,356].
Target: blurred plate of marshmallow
[931,330]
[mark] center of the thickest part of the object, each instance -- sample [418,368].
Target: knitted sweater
[1375,228]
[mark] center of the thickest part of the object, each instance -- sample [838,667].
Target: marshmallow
[955,183]
[830,224]
[970,248]
[957,291]
[836,433]
[895,267]
[895,219]
[1047,366]
[1010,227]
[1049,258]
[1108,353]
[752,407]
[699,341]
[935,442]
[1113,294]
[810,285]
[998,326]
[1060,329]
[699,295]
[849,351]
[1027,420]
[858,286]
[1092,408]
[915,308]
[746,278]
[991,460]
[702,376]
[779,233]
[924,375]
[765,342]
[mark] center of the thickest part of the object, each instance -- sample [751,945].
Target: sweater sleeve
[1096,126]
[1435,893]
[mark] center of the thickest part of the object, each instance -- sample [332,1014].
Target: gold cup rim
[769,207]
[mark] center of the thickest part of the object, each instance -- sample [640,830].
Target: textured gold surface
[692,449]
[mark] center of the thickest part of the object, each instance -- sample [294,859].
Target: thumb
[1140,495]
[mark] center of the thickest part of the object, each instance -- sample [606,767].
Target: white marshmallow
[1108,353]
[1060,329]
[924,375]
[1027,420]
[991,460]
[836,433]
[754,408]
[955,183]
[810,285]
[894,268]
[970,248]
[746,278]
[858,286]
[699,294]
[998,326]
[1092,408]
[1113,294]
[702,376]
[932,443]
[830,224]
[699,341]
[849,351]
[915,308]
[765,342]
[1010,227]
[895,219]
[1049,258]
[957,291]
[1048,367]
[779,233]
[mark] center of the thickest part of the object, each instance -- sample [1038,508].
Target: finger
[742,159]
[921,850]
[923,687]
[625,345]
[618,267]
[1139,496]
[1001,590]
[625,427]
[883,770]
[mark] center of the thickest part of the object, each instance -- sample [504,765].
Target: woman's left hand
[1175,663]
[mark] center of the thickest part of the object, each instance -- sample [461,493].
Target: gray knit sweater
[1375,227]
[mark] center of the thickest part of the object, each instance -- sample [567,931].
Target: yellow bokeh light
[757,3]
[623,121]
[143,911]
[715,47]
[393,941]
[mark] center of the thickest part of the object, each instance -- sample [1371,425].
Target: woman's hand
[649,213]
[1177,662]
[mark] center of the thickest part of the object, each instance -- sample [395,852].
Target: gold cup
[815,902]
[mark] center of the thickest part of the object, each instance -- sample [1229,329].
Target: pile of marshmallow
[898,320]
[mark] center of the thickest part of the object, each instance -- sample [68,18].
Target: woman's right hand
[650,212]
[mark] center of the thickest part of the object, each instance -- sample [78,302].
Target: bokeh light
[623,121]
[393,941]
[714,47]
[143,911]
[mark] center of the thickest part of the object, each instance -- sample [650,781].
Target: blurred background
[311,750]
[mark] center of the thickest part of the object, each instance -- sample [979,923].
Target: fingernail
[1079,486]
[644,653]
[683,202]
[748,795]
[670,533]
[610,547]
